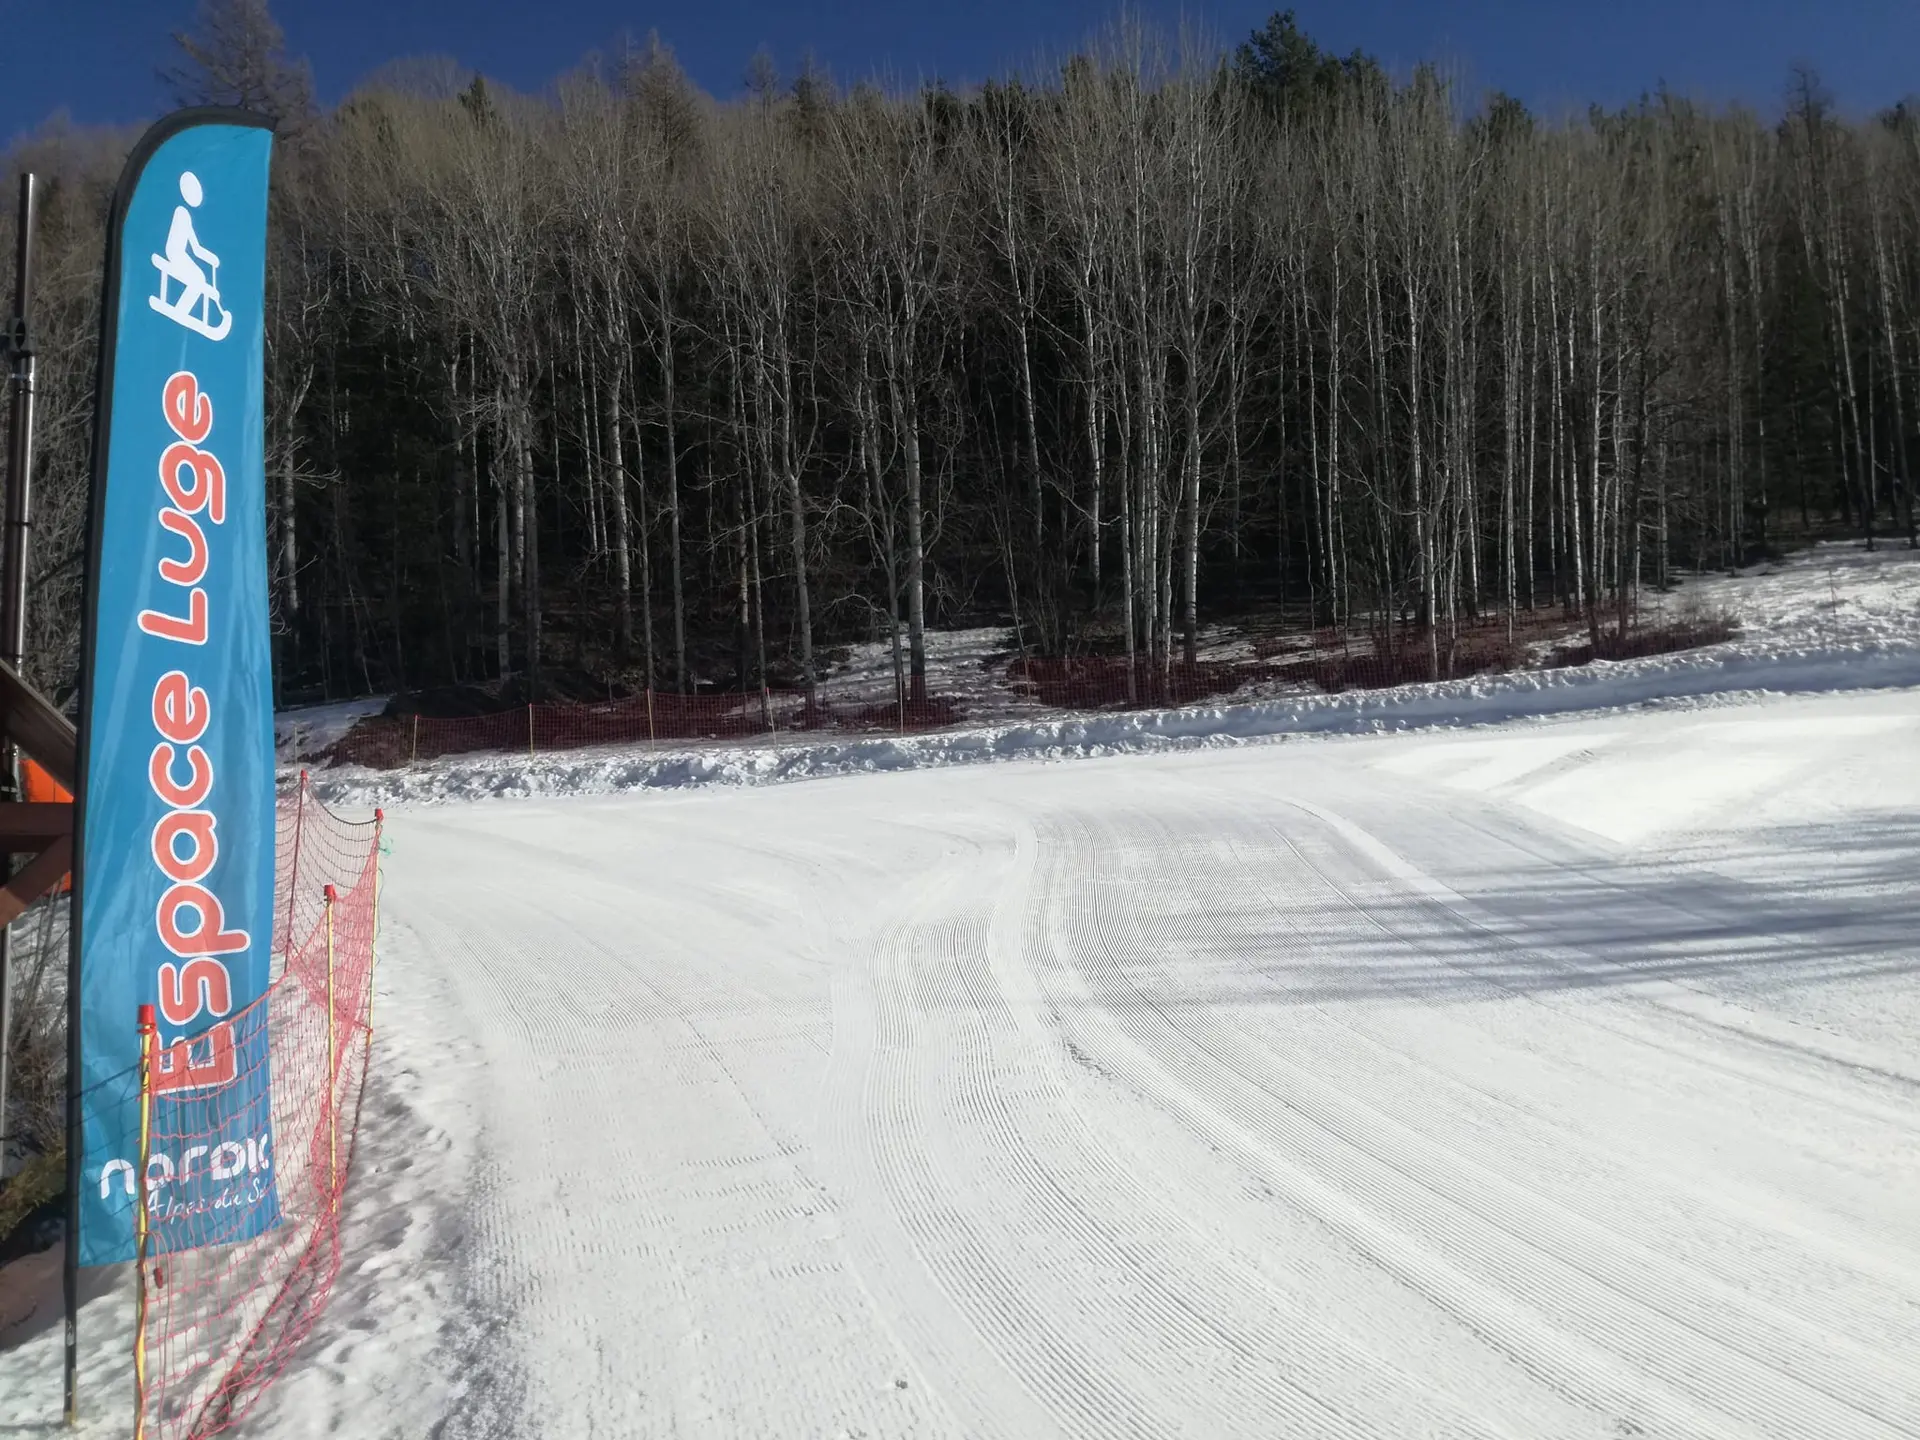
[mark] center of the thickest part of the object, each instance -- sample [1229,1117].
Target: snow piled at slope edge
[1720,675]
[1835,617]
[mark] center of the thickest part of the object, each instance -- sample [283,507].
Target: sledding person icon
[197,306]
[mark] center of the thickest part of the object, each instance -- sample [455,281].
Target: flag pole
[13,572]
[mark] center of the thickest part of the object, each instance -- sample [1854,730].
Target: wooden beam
[33,825]
[42,873]
[30,720]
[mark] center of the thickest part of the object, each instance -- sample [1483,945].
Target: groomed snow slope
[1543,1079]
[1550,1081]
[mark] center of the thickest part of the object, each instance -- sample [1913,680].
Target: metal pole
[13,573]
[149,1042]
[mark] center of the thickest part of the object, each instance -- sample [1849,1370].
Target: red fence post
[373,952]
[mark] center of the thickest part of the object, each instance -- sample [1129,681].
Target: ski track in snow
[1270,1093]
[1527,1081]
[1358,1090]
[1524,1083]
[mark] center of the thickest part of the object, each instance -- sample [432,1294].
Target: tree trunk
[916,568]
[669,419]
[1190,599]
[797,514]
[506,486]
[530,538]
[646,555]
[622,540]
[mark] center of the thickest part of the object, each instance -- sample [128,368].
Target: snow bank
[1835,617]
[1721,674]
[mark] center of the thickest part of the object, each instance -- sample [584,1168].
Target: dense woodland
[623,382]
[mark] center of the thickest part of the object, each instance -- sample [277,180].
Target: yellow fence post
[333,1072]
[141,1232]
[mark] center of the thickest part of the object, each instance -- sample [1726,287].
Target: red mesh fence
[388,742]
[219,1322]
[1325,661]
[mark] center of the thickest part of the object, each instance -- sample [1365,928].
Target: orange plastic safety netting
[219,1321]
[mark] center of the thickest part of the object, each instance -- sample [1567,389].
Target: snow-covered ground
[305,733]
[1550,1078]
[1837,593]
[1552,1081]
[1835,617]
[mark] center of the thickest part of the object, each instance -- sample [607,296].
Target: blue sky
[96,58]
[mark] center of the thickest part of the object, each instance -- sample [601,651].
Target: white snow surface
[305,732]
[1532,1080]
